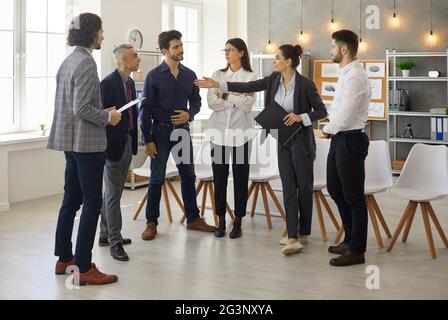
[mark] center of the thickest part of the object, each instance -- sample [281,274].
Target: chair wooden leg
[254,203]
[436,223]
[176,196]
[199,187]
[167,203]
[323,231]
[407,229]
[432,248]
[212,197]
[251,189]
[142,203]
[229,211]
[339,235]
[381,217]
[266,206]
[277,203]
[375,226]
[204,198]
[400,226]
[329,211]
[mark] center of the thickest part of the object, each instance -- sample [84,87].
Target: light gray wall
[411,35]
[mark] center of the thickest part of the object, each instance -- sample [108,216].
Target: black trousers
[345,183]
[240,168]
[295,164]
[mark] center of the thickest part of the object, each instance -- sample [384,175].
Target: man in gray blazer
[79,129]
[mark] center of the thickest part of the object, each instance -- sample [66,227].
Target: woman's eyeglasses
[227,50]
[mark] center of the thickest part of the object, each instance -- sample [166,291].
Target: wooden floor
[181,264]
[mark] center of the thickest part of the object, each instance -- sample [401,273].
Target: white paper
[376,86]
[376,69]
[330,70]
[328,89]
[376,110]
[130,104]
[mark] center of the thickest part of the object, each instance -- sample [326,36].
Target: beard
[337,58]
[179,57]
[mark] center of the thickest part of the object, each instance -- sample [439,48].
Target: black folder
[272,118]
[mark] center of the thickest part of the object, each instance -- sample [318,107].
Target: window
[36,30]
[186,18]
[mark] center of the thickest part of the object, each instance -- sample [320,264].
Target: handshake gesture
[115,116]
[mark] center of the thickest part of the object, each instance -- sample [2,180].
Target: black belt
[170,125]
[349,132]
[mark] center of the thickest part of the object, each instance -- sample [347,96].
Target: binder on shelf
[445,129]
[439,128]
[433,128]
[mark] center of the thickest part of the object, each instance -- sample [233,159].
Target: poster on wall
[328,88]
[376,69]
[376,87]
[376,110]
[330,70]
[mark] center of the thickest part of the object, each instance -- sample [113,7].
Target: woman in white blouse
[230,130]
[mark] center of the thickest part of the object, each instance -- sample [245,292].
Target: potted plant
[42,128]
[405,66]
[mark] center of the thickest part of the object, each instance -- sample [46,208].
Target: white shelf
[418,54]
[409,140]
[416,114]
[420,79]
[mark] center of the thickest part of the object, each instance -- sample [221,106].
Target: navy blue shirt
[164,94]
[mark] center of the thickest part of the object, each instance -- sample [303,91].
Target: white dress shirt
[231,123]
[350,107]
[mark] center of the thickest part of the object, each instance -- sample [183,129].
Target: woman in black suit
[299,97]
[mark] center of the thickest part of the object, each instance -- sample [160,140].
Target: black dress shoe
[236,230]
[105,242]
[117,252]
[221,230]
[339,249]
[349,258]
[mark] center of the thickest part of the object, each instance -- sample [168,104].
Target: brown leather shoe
[200,225]
[61,267]
[348,258]
[150,232]
[95,277]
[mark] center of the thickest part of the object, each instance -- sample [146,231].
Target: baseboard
[4,206]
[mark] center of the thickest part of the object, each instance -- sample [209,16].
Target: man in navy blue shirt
[165,119]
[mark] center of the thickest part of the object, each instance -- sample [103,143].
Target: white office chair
[424,178]
[320,183]
[171,172]
[204,173]
[378,179]
[262,173]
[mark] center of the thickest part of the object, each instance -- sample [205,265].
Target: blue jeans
[162,135]
[83,186]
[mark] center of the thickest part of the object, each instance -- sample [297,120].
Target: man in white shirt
[349,147]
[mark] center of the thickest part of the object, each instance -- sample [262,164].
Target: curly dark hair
[83,30]
[166,36]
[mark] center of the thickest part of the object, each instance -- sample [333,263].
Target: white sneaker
[302,239]
[292,248]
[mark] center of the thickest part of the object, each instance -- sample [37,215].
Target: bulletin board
[326,76]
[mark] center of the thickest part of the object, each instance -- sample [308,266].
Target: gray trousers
[295,164]
[114,177]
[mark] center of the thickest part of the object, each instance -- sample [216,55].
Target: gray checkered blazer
[79,122]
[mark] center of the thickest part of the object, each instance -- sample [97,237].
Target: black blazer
[306,100]
[113,94]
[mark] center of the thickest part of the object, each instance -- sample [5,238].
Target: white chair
[424,178]
[261,174]
[320,183]
[204,173]
[378,179]
[171,172]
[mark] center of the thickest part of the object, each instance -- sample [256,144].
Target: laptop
[272,118]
